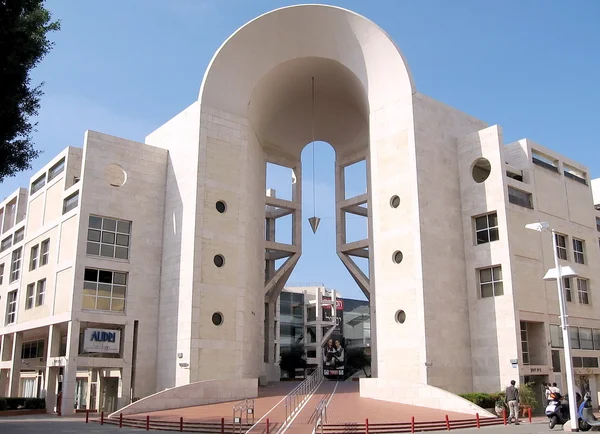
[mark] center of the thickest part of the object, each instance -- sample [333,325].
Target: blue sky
[124,67]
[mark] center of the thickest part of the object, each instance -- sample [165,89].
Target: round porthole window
[481,170]
[397,257]
[219,260]
[217,318]
[395,201]
[400,317]
[221,206]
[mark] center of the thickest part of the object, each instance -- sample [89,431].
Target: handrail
[321,414]
[246,406]
[296,398]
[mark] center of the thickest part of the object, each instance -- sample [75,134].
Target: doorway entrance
[108,399]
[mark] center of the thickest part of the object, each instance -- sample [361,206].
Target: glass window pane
[574,337]
[104,276]
[89,288]
[482,237]
[90,275]
[95,222]
[492,220]
[93,235]
[107,251]
[123,227]
[120,278]
[109,225]
[108,237]
[481,222]
[93,249]
[485,275]
[487,290]
[494,234]
[89,302]
[497,273]
[596,339]
[121,252]
[118,305]
[119,291]
[122,240]
[104,290]
[498,288]
[103,303]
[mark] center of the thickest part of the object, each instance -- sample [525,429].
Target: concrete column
[270,332]
[15,369]
[69,384]
[4,382]
[52,350]
[124,394]
[6,349]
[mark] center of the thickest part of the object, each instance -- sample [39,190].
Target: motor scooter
[586,413]
[557,411]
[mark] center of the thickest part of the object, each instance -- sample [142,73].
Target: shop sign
[101,341]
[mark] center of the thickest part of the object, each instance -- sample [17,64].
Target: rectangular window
[38,184]
[108,237]
[15,267]
[6,243]
[19,235]
[556,337]
[30,296]
[583,291]
[40,294]
[586,340]
[575,174]
[590,362]
[544,161]
[598,224]
[561,246]
[32,350]
[574,337]
[567,285]
[578,251]
[521,198]
[524,343]
[556,361]
[56,170]
[45,252]
[71,202]
[596,339]
[104,290]
[33,261]
[11,307]
[1,273]
[577,362]
[490,282]
[486,228]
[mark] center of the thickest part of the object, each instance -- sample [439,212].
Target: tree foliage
[294,358]
[24,25]
[358,360]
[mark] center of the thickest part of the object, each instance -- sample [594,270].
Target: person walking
[547,392]
[512,400]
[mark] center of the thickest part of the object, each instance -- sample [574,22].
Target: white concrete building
[164,248]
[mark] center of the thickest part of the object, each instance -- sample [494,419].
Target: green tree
[292,359]
[24,25]
[358,360]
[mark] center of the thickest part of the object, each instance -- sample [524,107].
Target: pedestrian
[554,388]
[512,400]
[547,392]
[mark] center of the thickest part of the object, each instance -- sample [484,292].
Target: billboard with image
[333,350]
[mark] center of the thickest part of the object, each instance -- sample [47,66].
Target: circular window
[400,317]
[221,206]
[217,318]
[481,170]
[219,260]
[115,175]
[395,201]
[397,257]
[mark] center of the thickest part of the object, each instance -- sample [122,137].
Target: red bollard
[447,423]
[120,420]
[102,418]
[529,414]
[477,420]
[412,424]
[267,425]
[87,416]
[223,425]
[148,423]
[181,424]
[366,426]
[504,416]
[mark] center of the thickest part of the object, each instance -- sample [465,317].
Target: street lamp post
[559,275]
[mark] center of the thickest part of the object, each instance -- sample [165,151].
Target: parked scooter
[586,412]
[558,412]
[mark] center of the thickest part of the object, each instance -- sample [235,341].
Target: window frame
[525,343]
[40,292]
[561,250]
[69,204]
[494,282]
[583,294]
[517,201]
[15,270]
[96,238]
[53,173]
[30,296]
[38,184]
[488,229]
[578,255]
[568,289]
[11,307]
[34,257]
[97,289]
[2,267]
[44,252]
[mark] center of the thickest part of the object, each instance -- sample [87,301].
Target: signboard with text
[101,341]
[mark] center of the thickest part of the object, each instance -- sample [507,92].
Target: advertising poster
[333,350]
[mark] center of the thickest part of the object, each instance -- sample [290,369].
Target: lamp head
[539,226]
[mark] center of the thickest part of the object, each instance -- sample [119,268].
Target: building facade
[127,268]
